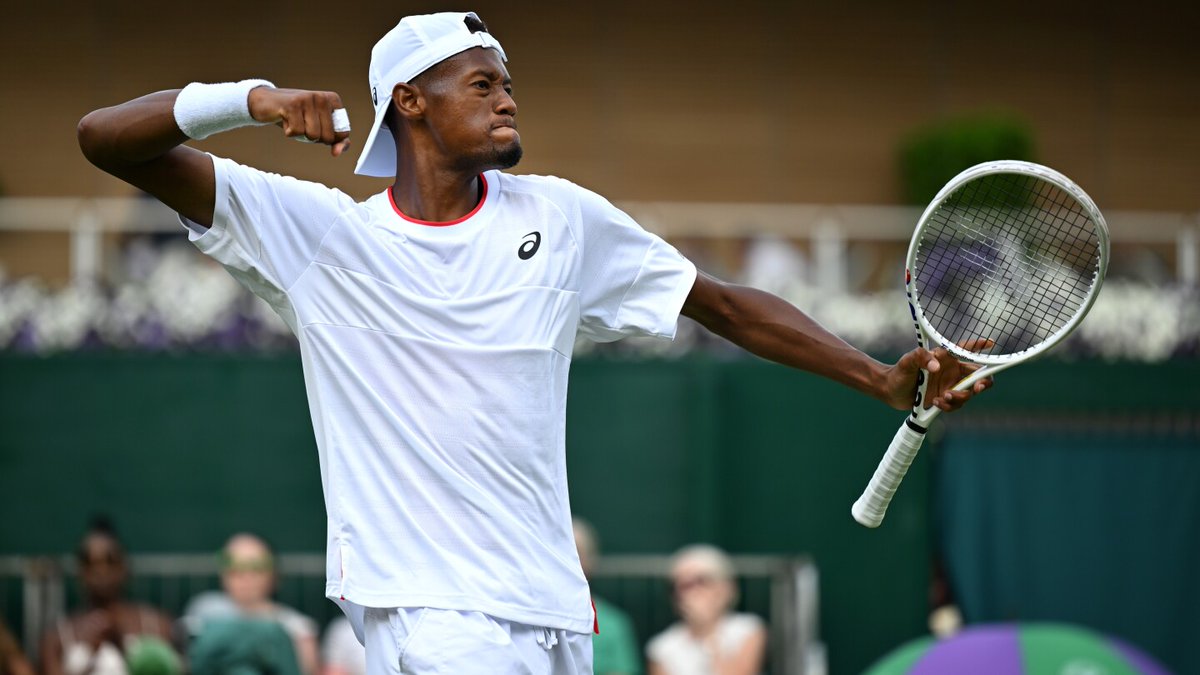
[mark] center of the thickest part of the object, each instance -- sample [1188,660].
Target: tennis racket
[1004,264]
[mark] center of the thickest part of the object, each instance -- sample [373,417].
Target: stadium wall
[707,100]
[184,450]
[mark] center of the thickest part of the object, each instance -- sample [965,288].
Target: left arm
[774,329]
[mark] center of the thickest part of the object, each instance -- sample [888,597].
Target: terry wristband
[202,110]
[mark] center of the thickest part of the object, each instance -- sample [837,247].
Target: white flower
[63,320]
[1134,321]
[17,302]
[190,296]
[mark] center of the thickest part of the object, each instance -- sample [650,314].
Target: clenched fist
[303,115]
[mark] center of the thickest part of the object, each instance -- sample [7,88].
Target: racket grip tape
[872,505]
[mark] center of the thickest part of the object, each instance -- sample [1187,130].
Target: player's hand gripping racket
[1010,252]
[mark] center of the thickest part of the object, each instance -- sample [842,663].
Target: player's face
[472,113]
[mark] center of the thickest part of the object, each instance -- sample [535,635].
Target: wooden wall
[747,101]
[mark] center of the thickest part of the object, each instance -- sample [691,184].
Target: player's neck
[424,191]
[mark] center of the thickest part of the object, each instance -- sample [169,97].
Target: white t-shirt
[678,652]
[435,361]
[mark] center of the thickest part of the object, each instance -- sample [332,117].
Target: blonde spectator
[248,577]
[710,639]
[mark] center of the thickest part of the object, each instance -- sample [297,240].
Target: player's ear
[407,101]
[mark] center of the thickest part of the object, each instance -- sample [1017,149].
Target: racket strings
[988,263]
[1007,257]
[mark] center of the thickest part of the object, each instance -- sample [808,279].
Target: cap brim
[378,156]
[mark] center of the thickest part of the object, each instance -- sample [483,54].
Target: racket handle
[873,504]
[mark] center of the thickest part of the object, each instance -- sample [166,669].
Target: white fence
[827,228]
[36,589]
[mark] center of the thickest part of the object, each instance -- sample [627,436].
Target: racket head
[1010,248]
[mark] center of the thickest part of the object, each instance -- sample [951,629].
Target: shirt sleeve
[266,227]
[631,282]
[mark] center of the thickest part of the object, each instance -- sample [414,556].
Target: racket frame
[870,508]
[1029,169]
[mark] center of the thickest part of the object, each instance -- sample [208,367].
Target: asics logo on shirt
[529,246]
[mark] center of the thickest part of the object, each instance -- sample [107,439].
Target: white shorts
[421,641]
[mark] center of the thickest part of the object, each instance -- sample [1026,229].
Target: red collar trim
[432,223]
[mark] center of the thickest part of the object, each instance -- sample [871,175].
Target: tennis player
[436,322]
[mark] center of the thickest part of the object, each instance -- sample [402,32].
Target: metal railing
[37,591]
[828,228]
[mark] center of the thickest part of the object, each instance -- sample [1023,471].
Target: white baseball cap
[415,45]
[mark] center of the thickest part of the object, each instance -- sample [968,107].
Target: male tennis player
[436,321]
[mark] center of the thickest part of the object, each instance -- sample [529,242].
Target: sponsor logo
[529,245]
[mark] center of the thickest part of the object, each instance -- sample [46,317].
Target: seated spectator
[111,634]
[12,659]
[711,639]
[248,577]
[237,646]
[341,651]
[614,648]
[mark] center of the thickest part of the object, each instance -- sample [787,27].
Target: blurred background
[789,146]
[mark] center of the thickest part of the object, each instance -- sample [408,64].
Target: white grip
[872,505]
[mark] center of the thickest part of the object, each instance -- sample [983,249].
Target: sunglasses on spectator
[249,565]
[110,559]
[684,584]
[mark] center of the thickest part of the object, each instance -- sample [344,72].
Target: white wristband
[202,110]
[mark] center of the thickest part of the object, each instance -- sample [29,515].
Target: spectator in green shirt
[614,648]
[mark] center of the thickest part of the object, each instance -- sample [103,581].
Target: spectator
[12,660]
[240,646]
[614,648]
[248,579]
[111,633]
[710,639]
[341,651]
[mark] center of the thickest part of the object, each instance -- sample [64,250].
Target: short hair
[99,526]
[714,560]
[226,556]
[426,79]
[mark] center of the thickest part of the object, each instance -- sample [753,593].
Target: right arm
[140,142]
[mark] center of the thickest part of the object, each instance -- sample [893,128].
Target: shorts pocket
[406,624]
[457,643]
